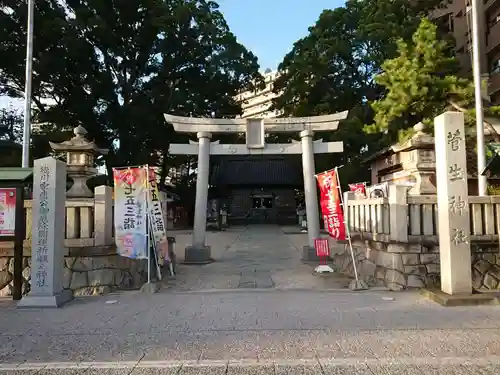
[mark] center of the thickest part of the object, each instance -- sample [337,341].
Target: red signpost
[322,249]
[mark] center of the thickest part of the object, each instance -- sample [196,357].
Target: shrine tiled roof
[255,171]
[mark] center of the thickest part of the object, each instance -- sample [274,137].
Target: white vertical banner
[157,218]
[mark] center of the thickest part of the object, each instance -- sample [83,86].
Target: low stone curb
[334,362]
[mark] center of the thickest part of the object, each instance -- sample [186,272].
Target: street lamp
[27,87]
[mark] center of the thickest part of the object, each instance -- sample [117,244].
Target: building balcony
[440,12]
[493,40]
[494,84]
[489,3]
[464,60]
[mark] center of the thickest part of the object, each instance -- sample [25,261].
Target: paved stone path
[256,310]
[214,329]
[265,256]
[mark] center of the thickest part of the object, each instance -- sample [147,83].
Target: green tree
[332,69]
[420,83]
[11,124]
[116,66]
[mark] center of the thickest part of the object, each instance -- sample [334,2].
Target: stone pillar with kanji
[453,204]
[48,250]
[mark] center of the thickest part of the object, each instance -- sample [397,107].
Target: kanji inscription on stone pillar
[453,204]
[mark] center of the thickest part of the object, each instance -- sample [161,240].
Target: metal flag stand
[150,287]
[356,284]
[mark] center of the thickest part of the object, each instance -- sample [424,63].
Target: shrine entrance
[255,130]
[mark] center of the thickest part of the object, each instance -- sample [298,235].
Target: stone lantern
[418,159]
[80,154]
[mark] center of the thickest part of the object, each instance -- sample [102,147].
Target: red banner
[358,189]
[330,205]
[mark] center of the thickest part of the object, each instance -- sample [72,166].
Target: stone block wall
[84,275]
[404,266]
[397,267]
[486,268]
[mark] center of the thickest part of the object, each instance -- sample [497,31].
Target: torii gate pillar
[310,193]
[255,129]
[199,251]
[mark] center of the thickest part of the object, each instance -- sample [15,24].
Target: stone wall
[84,275]
[395,266]
[486,268]
[400,267]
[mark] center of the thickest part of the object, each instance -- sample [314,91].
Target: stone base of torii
[255,130]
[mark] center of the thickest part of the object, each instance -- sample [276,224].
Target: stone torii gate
[255,129]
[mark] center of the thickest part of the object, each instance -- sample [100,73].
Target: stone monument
[453,204]
[48,224]
[80,155]
[255,129]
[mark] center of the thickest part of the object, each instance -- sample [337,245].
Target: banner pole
[348,232]
[128,167]
[148,226]
[152,230]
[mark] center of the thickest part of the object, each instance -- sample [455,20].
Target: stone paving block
[396,369]
[226,346]
[335,369]
[397,344]
[285,345]
[253,369]
[445,370]
[493,369]
[171,354]
[345,345]
[163,347]
[204,370]
[62,371]
[114,368]
[265,282]
[108,371]
[95,348]
[247,284]
[155,370]
[296,369]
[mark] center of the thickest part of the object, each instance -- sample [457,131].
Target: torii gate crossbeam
[255,129]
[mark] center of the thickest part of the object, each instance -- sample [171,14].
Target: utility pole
[476,68]
[27,88]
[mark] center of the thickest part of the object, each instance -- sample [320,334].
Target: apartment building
[457,18]
[257,104]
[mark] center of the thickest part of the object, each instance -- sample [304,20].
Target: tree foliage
[420,82]
[11,123]
[333,68]
[116,66]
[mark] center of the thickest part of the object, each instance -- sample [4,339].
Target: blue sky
[270,27]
